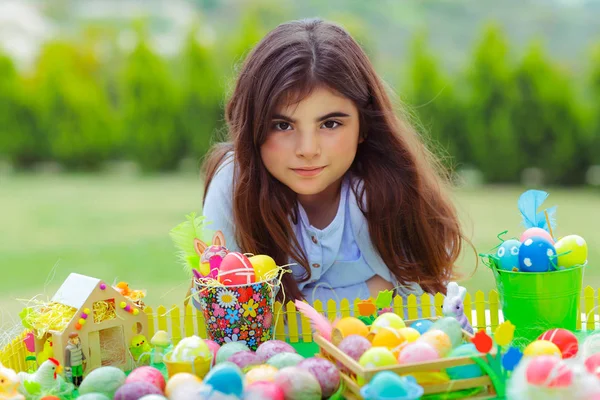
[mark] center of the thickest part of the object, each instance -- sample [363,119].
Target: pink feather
[318,321]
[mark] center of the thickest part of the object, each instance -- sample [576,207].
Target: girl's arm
[218,208]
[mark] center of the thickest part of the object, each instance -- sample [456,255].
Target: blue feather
[529,203]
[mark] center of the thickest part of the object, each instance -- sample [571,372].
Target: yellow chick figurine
[9,383]
[140,349]
[47,352]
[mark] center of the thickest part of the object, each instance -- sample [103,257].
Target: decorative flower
[245,294]
[265,336]
[226,299]
[250,308]
[384,299]
[268,320]
[251,333]
[483,343]
[222,324]
[218,310]
[233,338]
[504,333]
[254,325]
[236,330]
[259,317]
[228,331]
[511,358]
[366,308]
[252,342]
[232,316]
[213,319]
[244,335]
[244,328]
[256,297]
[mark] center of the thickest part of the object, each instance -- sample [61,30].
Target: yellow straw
[548,222]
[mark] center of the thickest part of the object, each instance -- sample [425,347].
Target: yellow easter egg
[376,357]
[263,265]
[387,320]
[439,340]
[572,251]
[542,348]
[180,379]
[348,326]
[263,372]
[410,334]
[388,338]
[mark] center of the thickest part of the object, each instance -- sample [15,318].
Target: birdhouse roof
[75,290]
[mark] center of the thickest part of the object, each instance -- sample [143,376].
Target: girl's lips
[308,172]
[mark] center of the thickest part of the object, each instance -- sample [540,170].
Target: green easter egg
[282,360]
[576,250]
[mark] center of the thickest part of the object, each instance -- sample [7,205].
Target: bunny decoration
[453,305]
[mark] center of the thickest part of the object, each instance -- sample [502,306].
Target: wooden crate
[329,350]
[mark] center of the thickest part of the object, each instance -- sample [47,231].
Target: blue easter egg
[226,378]
[508,255]
[422,325]
[388,385]
[536,255]
[464,371]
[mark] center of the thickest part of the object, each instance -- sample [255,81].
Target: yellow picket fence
[483,313]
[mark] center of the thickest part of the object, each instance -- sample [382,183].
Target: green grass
[116,228]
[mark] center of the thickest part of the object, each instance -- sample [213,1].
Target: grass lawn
[116,228]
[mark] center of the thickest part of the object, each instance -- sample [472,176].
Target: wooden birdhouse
[105,321]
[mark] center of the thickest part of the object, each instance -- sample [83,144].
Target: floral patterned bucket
[237,313]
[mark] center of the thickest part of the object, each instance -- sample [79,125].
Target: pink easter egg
[271,347]
[236,269]
[592,364]
[263,390]
[214,348]
[419,351]
[147,374]
[531,232]
[245,359]
[326,373]
[548,371]
[136,390]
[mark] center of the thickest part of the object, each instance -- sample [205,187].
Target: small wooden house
[104,319]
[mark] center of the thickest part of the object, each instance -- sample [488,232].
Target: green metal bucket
[537,301]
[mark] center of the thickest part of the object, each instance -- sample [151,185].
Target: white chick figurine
[45,376]
[9,383]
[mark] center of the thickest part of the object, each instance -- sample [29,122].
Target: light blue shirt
[341,256]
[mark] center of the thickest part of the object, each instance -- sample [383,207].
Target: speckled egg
[271,347]
[147,374]
[410,334]
[262,372]
[245,358]
[387,337]
[189,348]
[229,349]
[508,255]
[439,340]
[422,325]
[417,352]
[377,357]
[387,320]
[452,328]
[536,255]
[298,384]
[283,360]
[136,390]
[325,372]
[263,390]
[354,346]
[226,378]
[103,380]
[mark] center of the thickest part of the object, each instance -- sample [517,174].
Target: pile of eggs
[274,372]
[388,342]
[237,269]
[536,251]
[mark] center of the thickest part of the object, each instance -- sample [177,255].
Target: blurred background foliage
[490,95]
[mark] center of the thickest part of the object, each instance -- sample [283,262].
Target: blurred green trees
[500,114]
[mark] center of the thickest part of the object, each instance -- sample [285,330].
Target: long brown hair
[412,221]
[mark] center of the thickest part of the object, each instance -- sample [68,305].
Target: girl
[321,173]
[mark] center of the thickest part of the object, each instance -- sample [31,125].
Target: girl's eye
[282,126]
[331,124]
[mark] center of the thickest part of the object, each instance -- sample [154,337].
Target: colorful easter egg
[410,334]
[592,364]
[236,269]
[417,352]
[387,320]
[214,348]
[229,349]
[388,385]
[180,379]
[542,348]
[451,327]
[147,374]
[565,340]
[536,255]
[106,380]
[353,346]
[377,357]
[531,232]
[348,326]
[325,372]
[572,251]
[548,371]
[263,266]
[388,337]
[508,255]
[439,340]
[282,360]
[263,372]
[226,378]
[189,348]
[244,358]
[464,371]
[271,347]
[264,390]
[298,383]
[135,390]
[422,325]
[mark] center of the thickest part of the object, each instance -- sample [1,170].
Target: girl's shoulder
[222,181]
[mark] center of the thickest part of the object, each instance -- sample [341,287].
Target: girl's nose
[308,145]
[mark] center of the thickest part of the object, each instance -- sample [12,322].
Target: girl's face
[312,144]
